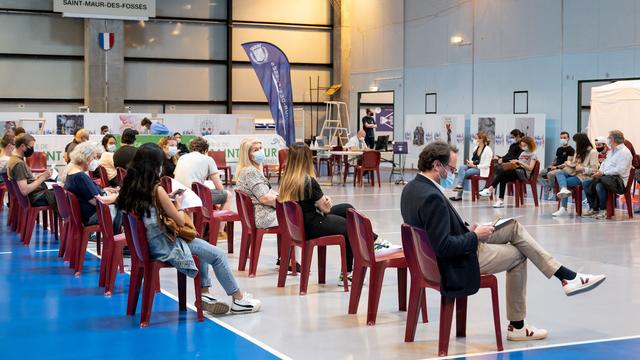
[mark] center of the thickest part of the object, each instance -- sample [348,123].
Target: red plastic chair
[112,250]
[576,193]
[423,267]
[611,197]
[251,239]
[3,190]
[329,161]
[64,213]
[370,164]
[520,186]
[104,177]
[121,174]
[283,156]
[80,234]
[37,162]
[361,239]
[291,225]
[144,267]
[207,215]
[475,182]
[166,184]
[27,215]
[12,219]
[221,163]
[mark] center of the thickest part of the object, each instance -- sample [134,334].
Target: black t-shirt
[563,153]
[371,121]
[168,167]
[123,156]
[312,193]
[513,153]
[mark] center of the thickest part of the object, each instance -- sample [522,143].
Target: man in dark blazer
[464,252]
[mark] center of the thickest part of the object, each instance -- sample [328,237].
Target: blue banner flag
[273,71]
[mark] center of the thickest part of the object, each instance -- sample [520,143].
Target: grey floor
[317,326]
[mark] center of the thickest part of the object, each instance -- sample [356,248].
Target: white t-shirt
[194,166]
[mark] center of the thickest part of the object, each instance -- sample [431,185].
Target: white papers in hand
[189,198]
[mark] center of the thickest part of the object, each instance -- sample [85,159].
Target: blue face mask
[259,156]
[448,181]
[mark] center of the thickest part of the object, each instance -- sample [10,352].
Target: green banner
[145,139]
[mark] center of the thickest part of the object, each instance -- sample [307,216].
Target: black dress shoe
[297,266]
[455,198]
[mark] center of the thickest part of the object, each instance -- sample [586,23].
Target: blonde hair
[244,157]
[531,144]
[164,141]
[299,168]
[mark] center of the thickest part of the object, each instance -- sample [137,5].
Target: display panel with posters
[9,120]
[421,129]
[499,126]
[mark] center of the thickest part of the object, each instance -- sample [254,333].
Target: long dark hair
[583,145]
[136,194]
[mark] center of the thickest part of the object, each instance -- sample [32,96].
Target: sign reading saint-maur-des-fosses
[107,9]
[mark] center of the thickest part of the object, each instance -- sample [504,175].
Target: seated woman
[140,193]
[169,146]
[83,158]
[106,160]
[321,217]
[514,170]
[479,164]
[585,164]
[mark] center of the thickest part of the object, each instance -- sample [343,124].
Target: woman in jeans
[585,164]
[479,164]
[523,165]
[140,191]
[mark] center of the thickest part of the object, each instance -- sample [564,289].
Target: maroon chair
[329,161]
[283,156]
[361,239]
[12,219]
[576,193]
[121,173]
[251,240]
[80,234]
[3,190]
[628,197]
[112,251]
[221,163]
[104,177]
[423,267]
[207,215]
[370,164]
[474,180]
[520,186]
[291,225]
[166,184]
[64,213]
[145,268]
[27,215]
[37,162]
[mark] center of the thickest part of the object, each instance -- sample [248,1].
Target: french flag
[105,40]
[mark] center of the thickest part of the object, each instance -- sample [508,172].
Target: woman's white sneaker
[528,332]
[561,212]
[564,193]
[486,192]
[582,283]
[245,305]
[498,204]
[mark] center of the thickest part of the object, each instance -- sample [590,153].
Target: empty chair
[37,162]
[370,164]
[221,163]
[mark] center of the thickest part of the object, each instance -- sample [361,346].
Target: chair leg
[182,292]
[245,241]
[104,265]
[81,252]
[578,199]
[198,290]
[29,227]
[402,289]
[627,198]
[214,229]
[357,283]
[229,232]
[611,204]
[322,264]
[423,304]
[461,317]
[307,256]
[148,293]
[285,251]
[378,173]
[116,259]
[135,283]
[255,246]
[446,317]
[496,315]
[415,299]
[343,258]
[376,277]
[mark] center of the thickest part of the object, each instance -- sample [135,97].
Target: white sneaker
[599,215]
[381,244]
[486,192]
[582,283]
[528,332]
[214,306]
[246,305]
[561,212]
[498,204]
[589,213]
[564,193]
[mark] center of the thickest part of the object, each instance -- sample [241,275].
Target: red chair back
[121,174]
[290,220]
[219,157]
[632,176]
[360,236]
[138,234]
[371,159]
[205,195]
[533,178]
[23,200]
[421,259]
[106,224]
[74,210]
[165,182]
[62,203]
[37,161]
[283,156]
[246,211]
[104,177]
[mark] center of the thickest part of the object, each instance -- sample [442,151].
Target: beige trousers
[508,250]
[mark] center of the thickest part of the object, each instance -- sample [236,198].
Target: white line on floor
[544,347]
[6,252]
[48,250]
[219,322]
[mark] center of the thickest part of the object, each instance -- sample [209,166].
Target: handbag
[187,232]
[510,166]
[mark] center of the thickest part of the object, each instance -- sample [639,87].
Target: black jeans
[503,178]
[370,141]
[334,223]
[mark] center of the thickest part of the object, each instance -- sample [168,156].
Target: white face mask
[111,148]
[564,142]
[475,142]
[93,165]
[173,150]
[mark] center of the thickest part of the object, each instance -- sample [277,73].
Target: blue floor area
[46,312]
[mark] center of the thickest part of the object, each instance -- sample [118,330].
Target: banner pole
[106,83]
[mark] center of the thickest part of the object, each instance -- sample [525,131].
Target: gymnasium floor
[46,311]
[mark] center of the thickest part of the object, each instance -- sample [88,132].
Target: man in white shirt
[613,175]
[355,143]
[197,166]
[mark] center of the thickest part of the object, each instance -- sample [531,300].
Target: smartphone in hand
[177,193]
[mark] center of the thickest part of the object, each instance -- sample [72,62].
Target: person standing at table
[369,124]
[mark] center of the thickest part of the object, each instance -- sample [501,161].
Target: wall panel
[300,45]
[316,12]
[246,86]
[41,34]
[52,79]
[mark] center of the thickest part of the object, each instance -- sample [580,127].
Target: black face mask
[600,149]
[28,152]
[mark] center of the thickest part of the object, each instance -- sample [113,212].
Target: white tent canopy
[616,106]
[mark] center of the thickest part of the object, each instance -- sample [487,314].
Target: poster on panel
[421,129]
